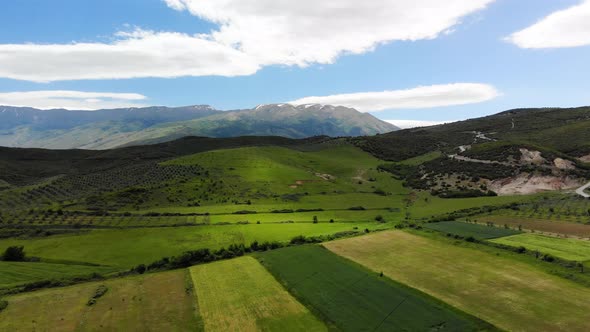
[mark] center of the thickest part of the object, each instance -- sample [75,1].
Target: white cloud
[420,97]
[303,32]
[251,34]
[74,100]
[132,55]
[565,28]
[405,124]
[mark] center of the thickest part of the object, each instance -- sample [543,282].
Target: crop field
[540,225]
[507,293]
[353,298]
[154,302]
[329,201]
[424,205]
[124,248]
[240,295]
[17,273]
[570,249]
[474,230]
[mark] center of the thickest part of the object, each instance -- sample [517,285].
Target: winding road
[582,190]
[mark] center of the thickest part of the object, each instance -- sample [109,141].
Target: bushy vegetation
[100,291]
[14,254]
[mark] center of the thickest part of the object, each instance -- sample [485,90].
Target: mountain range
[110,128]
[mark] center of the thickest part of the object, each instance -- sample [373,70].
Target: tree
[14,254]
[315,219]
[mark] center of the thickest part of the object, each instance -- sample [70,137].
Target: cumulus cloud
[132,55]
[74,100]
[303,32]
[565,28]
[250,34]
[420,97]
[405,124]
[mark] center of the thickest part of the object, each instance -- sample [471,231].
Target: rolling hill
[105,129]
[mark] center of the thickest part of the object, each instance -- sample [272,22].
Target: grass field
[426,205]
[17,273]
[353,298]
[154,302]
[240,295]
[474,230]
[556,227]
[510,294]
[124,248]
[570,249]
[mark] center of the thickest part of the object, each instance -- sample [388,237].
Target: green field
[512,295]
[124,248]
[354,299]
[17,273]
[247,298]
[570,249]
[425,205]
[154,302]
[474,230]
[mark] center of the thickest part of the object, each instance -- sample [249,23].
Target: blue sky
[534,70]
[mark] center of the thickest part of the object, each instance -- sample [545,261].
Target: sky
[410,62]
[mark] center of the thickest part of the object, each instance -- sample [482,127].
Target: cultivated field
[124,248]
[353,298]
[466,229]
[570,249]
[240,295]
[541,225]
[17,273]
[154,302]
[510,294]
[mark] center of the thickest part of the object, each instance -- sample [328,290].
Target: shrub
[14,254]
[100,291]
[300,239]
[141,268]
[3,305]
[379,218]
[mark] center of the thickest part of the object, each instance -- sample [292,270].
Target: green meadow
[16,273]
[124,248]
[570,249]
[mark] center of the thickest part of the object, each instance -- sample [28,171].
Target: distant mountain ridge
[104,129]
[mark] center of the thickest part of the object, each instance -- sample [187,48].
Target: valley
[271,233]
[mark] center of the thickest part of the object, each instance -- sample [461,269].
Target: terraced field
[474,230]
[570,249]
[240,295]
[155,302]
[352,298]
[507,293]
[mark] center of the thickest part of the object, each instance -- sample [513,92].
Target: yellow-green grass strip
[570,249]
[240,295]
